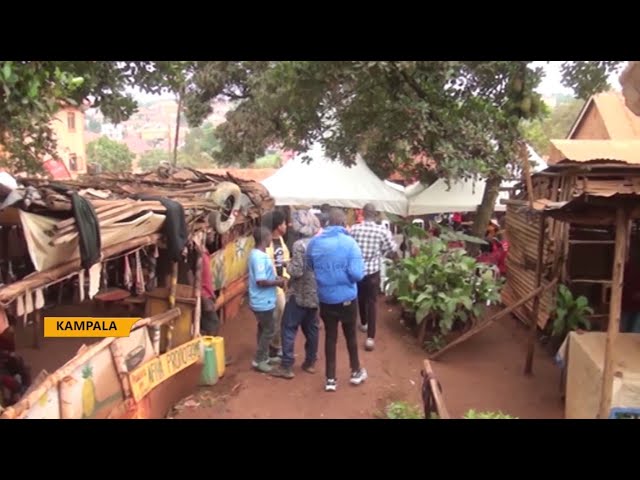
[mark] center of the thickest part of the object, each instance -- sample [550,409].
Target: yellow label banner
[154,372]
[81,327]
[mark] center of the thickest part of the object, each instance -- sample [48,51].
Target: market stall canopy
[325,181]
[461,196]
[409,190]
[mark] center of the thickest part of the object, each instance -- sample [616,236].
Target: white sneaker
[331,385]
[369,344]
[358,377]
[363,328]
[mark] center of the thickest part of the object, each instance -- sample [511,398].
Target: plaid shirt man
[375,241]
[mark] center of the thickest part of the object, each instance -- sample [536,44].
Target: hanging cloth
[128,280]
[139,275]
[81,285]
[94,280]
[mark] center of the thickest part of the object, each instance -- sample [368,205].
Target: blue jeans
[630,322]
[293,317]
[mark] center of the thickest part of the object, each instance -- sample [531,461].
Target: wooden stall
[38,233]
[587,188]
[589,198]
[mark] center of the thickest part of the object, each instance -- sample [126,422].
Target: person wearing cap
[301,310]
[375,242]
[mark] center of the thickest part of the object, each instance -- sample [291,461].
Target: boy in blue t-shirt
[262,296]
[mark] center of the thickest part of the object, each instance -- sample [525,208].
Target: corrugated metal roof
[620,122]
[581,151]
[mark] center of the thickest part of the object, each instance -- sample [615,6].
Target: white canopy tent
[325,181]
[462,196]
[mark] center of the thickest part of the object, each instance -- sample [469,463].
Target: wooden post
[173,286]
[533,335]
[37,322]
[615,307]
[197,312]
[526,167]
[443,413]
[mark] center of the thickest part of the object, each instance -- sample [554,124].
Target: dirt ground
[484,373]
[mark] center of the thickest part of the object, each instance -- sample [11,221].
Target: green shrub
[571,312]
[403,411]
[473,415]
[443,283]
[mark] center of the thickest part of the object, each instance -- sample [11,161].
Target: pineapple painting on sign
[93,390]
[230,263]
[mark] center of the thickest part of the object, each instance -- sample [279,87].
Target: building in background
[68,127]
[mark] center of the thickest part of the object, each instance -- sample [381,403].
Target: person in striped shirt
[376,243]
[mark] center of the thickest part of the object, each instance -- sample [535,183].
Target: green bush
[444,283]
[473,415]
[403,411]
[571,312]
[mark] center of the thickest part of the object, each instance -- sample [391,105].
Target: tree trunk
[177,136]
[485,210]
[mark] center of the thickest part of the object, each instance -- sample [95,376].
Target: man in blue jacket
[337,263]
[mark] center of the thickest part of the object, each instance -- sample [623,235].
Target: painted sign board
[153,373]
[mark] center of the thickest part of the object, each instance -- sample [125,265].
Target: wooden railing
[432,395]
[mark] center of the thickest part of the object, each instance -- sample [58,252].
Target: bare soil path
[484,373]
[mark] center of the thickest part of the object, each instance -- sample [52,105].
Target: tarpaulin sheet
[37,230]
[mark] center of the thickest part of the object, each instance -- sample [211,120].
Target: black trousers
[346,314]
[209,320]
[368,289]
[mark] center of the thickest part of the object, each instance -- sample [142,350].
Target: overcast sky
[550,85]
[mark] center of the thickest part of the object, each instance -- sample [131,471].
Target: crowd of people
[307,271]
[331,273]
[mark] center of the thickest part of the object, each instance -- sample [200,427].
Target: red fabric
[488,258]
[497,257]
[457,217]
[10,382]
[500,255]
[630,288]
[207,277]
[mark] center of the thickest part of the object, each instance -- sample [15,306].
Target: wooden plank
[588,280]
[528,368]
[592,242]
[443,413]
[502,313]
[615,307]
[197,313]
[46,277]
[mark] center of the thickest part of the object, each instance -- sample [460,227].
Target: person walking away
[276,222]
[375,242]
[262,296]
[337,263]
[325,208]
[301,310]
[209,320]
